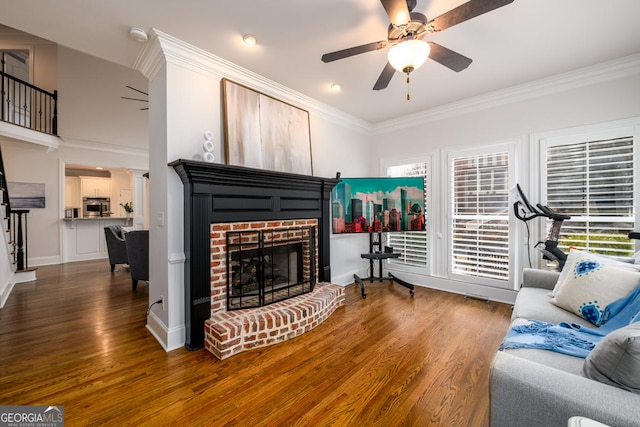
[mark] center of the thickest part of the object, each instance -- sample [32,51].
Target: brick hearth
[231,332]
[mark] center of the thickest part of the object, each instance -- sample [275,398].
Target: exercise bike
[524,211]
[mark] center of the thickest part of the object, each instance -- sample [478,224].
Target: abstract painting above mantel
[264,133]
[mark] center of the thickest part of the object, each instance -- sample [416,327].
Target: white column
[184,102]
[140,199]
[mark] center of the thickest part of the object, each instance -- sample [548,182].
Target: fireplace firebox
[267,266]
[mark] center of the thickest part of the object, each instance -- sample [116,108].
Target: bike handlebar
[552,215]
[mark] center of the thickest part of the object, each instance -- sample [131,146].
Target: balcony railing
[26,105]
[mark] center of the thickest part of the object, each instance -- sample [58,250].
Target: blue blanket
[572,339]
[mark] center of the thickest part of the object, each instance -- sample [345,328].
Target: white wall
[30,163]
[90,106]
[341,149]
[517,115]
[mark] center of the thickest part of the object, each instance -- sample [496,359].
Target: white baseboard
[169,338]
[51,260]
[343,279]
[5,291]
[24,276]
[448,285]
[463,288]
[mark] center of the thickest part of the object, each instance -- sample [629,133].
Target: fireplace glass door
[266,266]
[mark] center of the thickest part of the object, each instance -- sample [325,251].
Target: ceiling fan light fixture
[408,55]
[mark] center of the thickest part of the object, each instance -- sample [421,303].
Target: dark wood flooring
[76,337]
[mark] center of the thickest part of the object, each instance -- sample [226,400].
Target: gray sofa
[530,387]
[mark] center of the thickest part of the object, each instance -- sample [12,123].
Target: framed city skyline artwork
[264,133]
[364,205]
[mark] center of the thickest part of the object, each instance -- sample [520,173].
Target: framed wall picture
[265,133]
[26,195]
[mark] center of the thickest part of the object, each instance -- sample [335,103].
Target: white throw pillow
[126,229]
[590,286]
[576,255]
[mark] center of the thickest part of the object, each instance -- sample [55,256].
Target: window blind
[480,216]
[593,183]
[411,244]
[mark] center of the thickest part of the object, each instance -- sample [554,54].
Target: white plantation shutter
[411,244]
[593,182]
[480,216]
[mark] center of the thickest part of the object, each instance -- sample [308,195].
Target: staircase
[13,254]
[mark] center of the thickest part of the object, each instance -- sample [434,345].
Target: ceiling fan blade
[137,90]
[447,57]
[345,53]
[464,12]
[134,99]
[397,10]
[385,77]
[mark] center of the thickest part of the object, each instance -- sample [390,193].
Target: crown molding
[150,59]
[163,48]
[98,146]
[608,71]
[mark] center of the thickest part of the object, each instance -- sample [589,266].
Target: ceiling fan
[406,36]
[137,99]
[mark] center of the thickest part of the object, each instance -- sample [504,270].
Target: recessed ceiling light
[99,168]
[138,34]
[250,39]
[335,87]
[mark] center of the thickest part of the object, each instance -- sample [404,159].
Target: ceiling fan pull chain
[408,96]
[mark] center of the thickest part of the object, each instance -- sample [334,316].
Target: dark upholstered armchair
[115,246]
[137,243]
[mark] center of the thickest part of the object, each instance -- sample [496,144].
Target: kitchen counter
[95,218]
[83,238]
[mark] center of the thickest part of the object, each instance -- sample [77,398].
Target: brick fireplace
[245,320]
[219,198]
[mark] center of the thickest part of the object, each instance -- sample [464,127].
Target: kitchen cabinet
[83,238]
[72,197]
[96,187]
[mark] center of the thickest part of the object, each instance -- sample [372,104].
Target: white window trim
[511,147]
[606,130]
[430,224]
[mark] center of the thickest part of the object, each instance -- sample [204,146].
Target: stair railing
[26,105]
[16,226]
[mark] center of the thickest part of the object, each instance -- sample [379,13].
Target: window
[480,216]
[412,245]
[593,182]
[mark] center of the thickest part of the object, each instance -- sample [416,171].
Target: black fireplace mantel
[215,193]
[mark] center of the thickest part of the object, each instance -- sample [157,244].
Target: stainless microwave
[96,206]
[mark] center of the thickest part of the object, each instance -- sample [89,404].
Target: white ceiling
[519,43]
